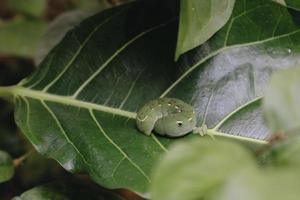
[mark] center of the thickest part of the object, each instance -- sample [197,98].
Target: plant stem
[6,91]
[21,159]
[246,139]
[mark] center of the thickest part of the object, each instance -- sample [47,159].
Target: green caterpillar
[166,116]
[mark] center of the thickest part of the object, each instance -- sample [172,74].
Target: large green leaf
[80,106]
[199,20]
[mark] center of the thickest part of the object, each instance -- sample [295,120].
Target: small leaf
[200,20]
[20,37]
[281,103]
[6,167]
[193,169]
[67,191]
[31,7]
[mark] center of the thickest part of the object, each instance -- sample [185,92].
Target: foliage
[79,106]
[199,20]
[197,174]
[6,167]
[293,4]
[30,7]
[223,170]
[20,37]
[282,112]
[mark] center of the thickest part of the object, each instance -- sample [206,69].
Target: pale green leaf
[262,185]
[193,169]
[200,20]
[281,103]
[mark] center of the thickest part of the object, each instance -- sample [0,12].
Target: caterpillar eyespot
[166,116]
[179,123]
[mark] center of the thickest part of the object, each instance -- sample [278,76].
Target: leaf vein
[214,53]
[64,132]
[79,50]
[105,64]
[235,111]
[116,146]
[130,90]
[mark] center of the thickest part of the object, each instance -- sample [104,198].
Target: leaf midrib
[67,100]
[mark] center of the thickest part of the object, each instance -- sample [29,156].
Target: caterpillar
[166,116]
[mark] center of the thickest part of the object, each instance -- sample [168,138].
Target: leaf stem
[6,92]
[21,159]
[237,137]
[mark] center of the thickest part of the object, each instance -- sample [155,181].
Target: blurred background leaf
[194,169]
[282,116]
[281,102]
[30,7]
[6,166]
[222,171]
[258,185]
[20,37]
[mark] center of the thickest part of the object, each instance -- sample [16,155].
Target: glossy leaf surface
[80,106]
